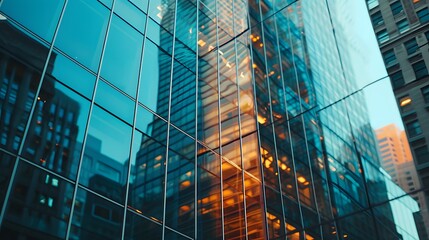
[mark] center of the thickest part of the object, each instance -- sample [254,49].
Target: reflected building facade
[186,119]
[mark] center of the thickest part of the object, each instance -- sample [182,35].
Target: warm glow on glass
[261,119]
[405,101]
[201,43]
[301,179]
[185,184]
[159,157]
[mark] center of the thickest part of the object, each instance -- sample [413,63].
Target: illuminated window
[405,104]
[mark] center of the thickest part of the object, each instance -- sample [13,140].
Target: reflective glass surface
[191,119]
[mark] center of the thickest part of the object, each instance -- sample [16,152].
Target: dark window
[423,15]
[397,79]
[425,93]
[413,128]
[377,18]
[411,46]
[102,212]
[389,57]
[427,35]
[396,7]
[420,69]
[382,140]
[382,36]
[403,25]
[422,154]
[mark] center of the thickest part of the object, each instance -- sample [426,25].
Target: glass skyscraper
[186,119]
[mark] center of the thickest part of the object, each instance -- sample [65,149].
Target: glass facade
[190,119]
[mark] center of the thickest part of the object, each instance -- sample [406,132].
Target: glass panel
[71,74]
[208,113]
[56,132]
[130,11]
[20,71]
[39,205]
[115,102]
[6,166]
[122,56]
[138,227]
[105,161]
[233,205]
[209,195]
[40,17]
[82,31]
[180,208]
[146,192]
[96,218]
[155,79]
[183,99]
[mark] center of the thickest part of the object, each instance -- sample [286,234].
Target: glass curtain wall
[190,119]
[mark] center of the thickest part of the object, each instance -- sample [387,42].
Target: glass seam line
[275,139]
[196,122]
[136,104]
[30,116]
[169,120]
[239,121]
[91,107]
[290,137]
[219,121]
[268,82]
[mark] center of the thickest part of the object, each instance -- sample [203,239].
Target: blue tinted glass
[94,217]
[55,136]
[40,17]
[155,79]
[116,102]
[138,227]
[82,31]
[122,57]
[106,153]
[39,201]
[131,13]
[6,162]
[72,75]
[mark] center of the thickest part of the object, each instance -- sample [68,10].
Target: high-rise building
[402,30]
[191,119]
[398,162]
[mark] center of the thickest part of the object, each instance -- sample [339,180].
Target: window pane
[94,217]
[377,19]
[425,93]
[403,26]
[20,71]
[106,155]
[82,37]
[55,136]
[389,57]
[6,165]
[420,69]
[41,17]
[140,228]
[122,57]
[413,128]
[423,15]
[411,46]
[396,7]
[382,36]
[39,205]
[397,79]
